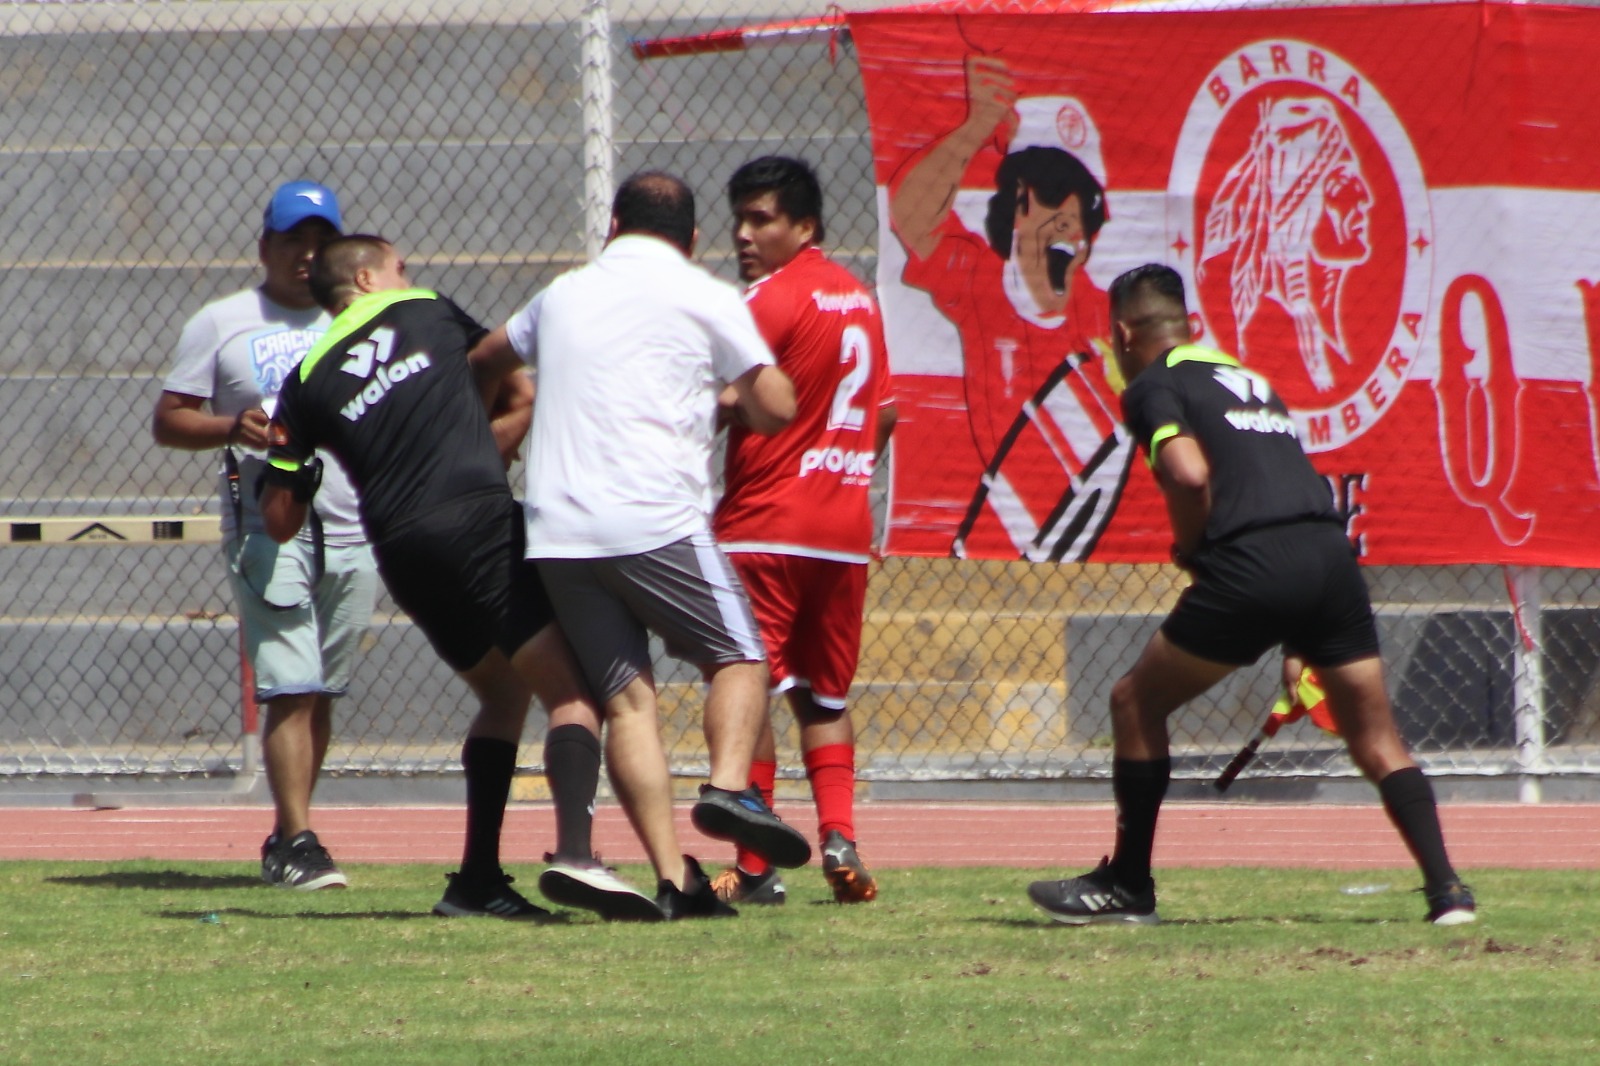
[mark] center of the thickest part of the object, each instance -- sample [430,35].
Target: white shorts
[299,639]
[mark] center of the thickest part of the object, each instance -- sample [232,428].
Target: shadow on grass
[1264,920]
[213,917]
[161,879]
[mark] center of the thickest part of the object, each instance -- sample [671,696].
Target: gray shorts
[298,638]
[686,593]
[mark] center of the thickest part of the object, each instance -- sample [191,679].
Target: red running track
[1553,836]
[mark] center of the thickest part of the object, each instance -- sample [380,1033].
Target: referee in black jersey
[388,390]
[1255,525]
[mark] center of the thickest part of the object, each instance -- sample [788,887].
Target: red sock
[763,775]
[832,770]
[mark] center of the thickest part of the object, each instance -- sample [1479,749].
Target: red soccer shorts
[809,611]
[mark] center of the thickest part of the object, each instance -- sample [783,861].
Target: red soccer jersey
[1006,358]
[806,490]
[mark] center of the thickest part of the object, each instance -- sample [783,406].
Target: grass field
[199,963]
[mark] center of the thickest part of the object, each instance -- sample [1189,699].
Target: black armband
[302,481]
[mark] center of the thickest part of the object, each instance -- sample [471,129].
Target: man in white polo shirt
[634,353]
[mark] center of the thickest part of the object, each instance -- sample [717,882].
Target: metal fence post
[1528,679]
[599,138]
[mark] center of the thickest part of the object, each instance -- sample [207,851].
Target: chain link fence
[141,141]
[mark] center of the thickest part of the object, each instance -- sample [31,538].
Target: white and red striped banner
[1391,212]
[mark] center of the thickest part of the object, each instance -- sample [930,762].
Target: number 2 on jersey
[855,350]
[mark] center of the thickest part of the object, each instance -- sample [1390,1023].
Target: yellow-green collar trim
[1193,353]
[352,318]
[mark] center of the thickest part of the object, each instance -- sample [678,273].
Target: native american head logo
[1292,210]
[1305,232]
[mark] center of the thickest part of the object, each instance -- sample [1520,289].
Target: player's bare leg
[321,737]
[489,755]
[751,879]
[729,809]
[735,708]
[1164,679]
[1360,704]
[503,699]
[1361,709]
[489,760]
[289,749]
[576,876]
[637,765]
[1121,888]
[294,743]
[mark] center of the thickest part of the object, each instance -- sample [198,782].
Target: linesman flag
[1305,700]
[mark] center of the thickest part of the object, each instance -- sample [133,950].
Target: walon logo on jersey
[1308,245]
[370,360]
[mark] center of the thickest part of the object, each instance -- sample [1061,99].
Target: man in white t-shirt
[634,353]
[305,605]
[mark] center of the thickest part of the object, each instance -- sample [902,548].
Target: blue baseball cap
[296,201]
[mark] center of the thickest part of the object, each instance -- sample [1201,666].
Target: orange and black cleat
[846,873]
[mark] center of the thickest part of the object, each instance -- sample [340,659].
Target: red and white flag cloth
[1393,213]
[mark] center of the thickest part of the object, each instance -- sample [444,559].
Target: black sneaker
[733,885]
[1093,899]
[271,863]
[489,897]
[304,864]
[697,899]
[849,877]
[1451,904]
[745,819]
[593,886]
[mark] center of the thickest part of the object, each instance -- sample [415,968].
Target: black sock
[1139,786]
[572,765]
[489,766]
[1408,797]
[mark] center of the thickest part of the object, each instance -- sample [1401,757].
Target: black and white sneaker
[1093,899]
[302,863]
[696,899]
[593,886]
[271,863]
[746,820]
[487,897]
[1451,904]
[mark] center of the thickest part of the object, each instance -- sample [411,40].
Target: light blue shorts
[298,638]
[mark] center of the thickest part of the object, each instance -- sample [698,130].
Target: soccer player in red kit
[795,516]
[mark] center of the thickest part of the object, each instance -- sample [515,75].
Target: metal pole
[599,135]
[1527,686]
[252,765]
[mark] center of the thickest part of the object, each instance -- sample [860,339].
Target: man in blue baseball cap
[303,606]
[296,201]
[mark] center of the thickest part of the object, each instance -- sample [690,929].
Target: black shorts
[1296,585]
[459,573]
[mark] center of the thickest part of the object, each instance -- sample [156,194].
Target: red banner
[1391,213]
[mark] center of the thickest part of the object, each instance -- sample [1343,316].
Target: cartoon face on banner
[998,241]
[1308,232]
